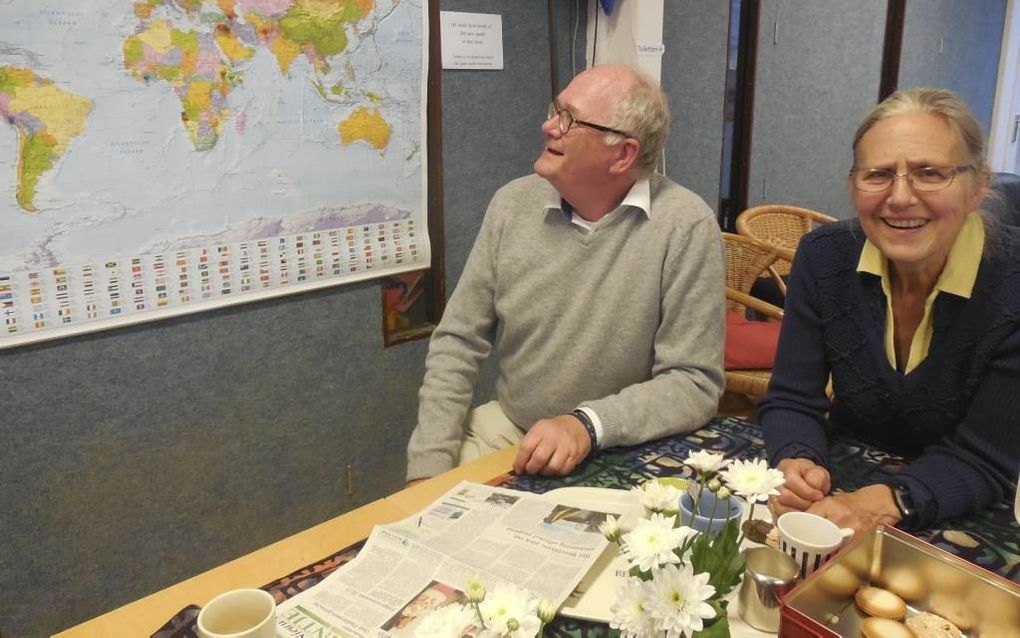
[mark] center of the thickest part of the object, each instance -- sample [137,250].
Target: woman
[914,308]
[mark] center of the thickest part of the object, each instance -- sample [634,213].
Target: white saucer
[594,595]
[596,591]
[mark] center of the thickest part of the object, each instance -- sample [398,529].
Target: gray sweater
[626,319]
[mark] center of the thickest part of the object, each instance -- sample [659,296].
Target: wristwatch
[589,427]
[905,504]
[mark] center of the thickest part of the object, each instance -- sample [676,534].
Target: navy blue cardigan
[956,416]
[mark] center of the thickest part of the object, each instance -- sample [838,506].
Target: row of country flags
[46,298]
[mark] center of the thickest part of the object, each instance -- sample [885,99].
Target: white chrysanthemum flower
[658,497]
[509,610]
[677,600]
[753,480]
[610,528]
[705,462]
[546,611]
[474,590]
[630,614]
[448,621]
[652,541]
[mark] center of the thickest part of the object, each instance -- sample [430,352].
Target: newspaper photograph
[414,566]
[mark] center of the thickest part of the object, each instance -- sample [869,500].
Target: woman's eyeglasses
[924,179]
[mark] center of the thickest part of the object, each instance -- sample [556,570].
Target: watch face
[905,504]
[905,498]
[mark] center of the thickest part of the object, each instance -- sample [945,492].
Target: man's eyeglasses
[566,119]
[925,179]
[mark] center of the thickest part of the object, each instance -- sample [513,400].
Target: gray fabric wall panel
[571,27]
[813,87]
[492,121]
[694,80]
[955,45]
[492,129]
[137,457]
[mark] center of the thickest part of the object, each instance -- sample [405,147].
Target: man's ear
[627,153]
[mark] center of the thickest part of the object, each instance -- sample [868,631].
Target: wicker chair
[746,260]
[780,226]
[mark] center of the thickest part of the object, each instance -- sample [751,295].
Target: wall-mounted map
[165,156]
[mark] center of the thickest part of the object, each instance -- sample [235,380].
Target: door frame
[1002,155]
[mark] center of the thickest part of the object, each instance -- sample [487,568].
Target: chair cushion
[750,345]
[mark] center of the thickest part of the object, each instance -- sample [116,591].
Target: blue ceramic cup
[708,503]
[710,522]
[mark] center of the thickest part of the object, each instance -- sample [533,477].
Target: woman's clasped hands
[808,488]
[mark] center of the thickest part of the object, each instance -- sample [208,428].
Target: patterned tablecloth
[990,538]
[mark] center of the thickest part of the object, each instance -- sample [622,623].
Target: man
[602,287]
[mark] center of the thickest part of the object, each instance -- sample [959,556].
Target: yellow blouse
[957,278]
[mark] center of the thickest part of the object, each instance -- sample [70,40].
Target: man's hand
[806,484]
[553,446]
[861,510]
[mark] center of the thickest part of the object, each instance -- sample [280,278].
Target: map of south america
[46,118]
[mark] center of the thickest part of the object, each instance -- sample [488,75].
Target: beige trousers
[487,430]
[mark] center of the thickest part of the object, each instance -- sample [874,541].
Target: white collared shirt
[639,196]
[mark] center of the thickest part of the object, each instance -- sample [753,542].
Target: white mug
[809,539]
[241,613]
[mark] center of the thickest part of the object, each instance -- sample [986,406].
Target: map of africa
[156,135]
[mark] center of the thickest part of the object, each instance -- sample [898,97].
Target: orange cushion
[750,345]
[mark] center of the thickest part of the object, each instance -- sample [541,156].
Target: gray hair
[643,112]
[954,112]
[940,102]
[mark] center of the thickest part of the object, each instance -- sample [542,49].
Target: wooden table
[987,538]
[144,616]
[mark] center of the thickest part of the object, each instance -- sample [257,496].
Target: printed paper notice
[471,40]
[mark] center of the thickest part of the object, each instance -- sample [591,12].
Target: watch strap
[905,504]
[589,427]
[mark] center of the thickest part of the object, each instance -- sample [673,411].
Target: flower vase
[707,500]
[714,519]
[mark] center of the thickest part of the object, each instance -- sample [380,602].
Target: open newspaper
[423,562]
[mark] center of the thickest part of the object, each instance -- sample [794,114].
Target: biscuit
[927,625]
[904,582]
[884,628]
[953,609]
[839,581]
[876,601]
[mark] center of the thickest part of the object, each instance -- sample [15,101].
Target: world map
[147,127]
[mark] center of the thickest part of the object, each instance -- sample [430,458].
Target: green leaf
[720,557]
[720,627]
[637,573]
